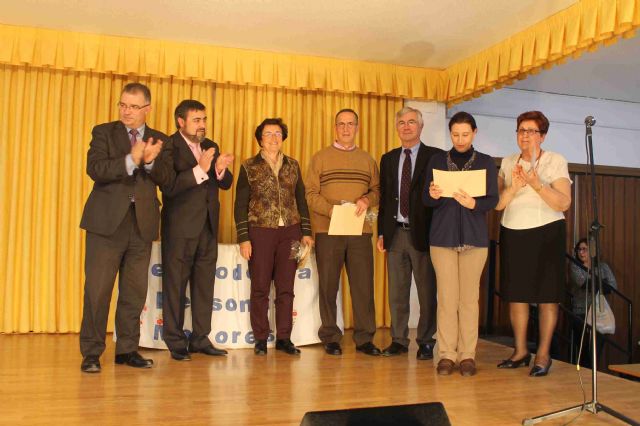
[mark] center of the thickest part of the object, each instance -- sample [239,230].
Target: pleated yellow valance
[124,55]
[583,26]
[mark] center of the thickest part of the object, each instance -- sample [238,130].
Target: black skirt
[532,263]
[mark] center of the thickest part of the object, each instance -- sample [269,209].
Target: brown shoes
[468,367]
[445,367]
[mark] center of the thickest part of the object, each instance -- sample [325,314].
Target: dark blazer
[188,205]
[419,214]
[454,225]
[110,198]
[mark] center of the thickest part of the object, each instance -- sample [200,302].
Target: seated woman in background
[580,278]
[580,288]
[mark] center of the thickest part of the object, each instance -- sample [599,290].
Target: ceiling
[424,33]
[433,34]
[609,73]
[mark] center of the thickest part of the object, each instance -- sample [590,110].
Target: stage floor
[41,384]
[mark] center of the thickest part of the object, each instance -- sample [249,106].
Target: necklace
[451,166]
[536,162]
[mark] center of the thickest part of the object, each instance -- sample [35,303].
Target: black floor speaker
[431,413]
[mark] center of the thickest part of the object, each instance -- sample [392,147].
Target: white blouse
[527,209]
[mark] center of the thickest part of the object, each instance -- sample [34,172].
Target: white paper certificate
[473,182]
[344,220]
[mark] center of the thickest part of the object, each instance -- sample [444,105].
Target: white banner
[230,323]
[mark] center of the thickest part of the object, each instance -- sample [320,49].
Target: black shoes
[90,364]
[209,350]
[260,347]
[368,349]
[425,351]
[134,359]
[287,346]
[395,348]
[515,363]
[539,371]
[181,355]
[333,348]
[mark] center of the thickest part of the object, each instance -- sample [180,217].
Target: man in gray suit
[126,160]
[403,232]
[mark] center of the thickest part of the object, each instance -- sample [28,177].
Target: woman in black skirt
[535,190]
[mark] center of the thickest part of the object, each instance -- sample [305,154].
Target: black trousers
[188,261]
[125,253]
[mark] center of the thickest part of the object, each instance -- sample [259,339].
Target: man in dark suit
[126,160]
[190,231]
[403,232]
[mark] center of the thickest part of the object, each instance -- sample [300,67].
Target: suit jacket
[113,188]
[419,214]
[187,204]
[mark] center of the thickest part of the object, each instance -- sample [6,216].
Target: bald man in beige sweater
[339,172]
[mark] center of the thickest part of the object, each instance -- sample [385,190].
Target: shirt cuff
[200,174]
[219,176]
[129,164]
[149,166]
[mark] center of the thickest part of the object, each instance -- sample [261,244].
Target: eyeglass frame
[271,134]
[124,106]
[528,132]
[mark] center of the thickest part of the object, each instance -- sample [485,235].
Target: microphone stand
[593,406]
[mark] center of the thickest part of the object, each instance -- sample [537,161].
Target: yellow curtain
[584,26]
[309,116]
[166,59]
[48,116]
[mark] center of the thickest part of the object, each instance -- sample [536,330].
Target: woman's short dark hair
[275,121]
[461,118]
[541,121]
[580,241]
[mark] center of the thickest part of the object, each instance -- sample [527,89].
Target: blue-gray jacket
[453,225]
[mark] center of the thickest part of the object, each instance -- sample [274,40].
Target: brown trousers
[270,252]
[332,252]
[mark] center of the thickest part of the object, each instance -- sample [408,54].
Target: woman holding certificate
[459,240]
[535,190]
[271,214]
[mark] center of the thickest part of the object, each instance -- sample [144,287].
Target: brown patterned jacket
[261,199]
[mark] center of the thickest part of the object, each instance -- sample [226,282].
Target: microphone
[590,121]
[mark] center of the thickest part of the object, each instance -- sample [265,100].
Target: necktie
[405,184]
[196,150]
[134,136]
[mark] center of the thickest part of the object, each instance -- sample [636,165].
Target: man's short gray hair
[407,110]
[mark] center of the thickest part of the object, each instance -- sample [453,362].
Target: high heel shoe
[515,363]
[539,371]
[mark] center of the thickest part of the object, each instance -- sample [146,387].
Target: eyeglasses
[272,134]
[528,132]
[407,123]
[582,249]
[124,106]
[349,125]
